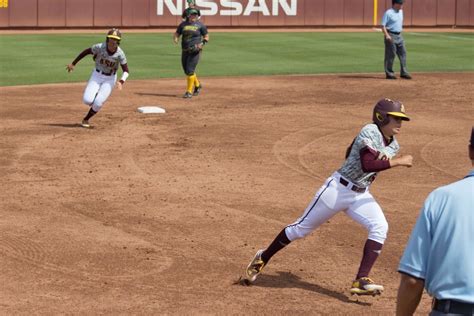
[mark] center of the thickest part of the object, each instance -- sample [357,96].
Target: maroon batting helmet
[386,107]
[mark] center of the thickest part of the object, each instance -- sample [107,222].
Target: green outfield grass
[34,59]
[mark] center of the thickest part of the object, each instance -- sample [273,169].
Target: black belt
[396,33]
[354,188]
[105,74]
[453,307]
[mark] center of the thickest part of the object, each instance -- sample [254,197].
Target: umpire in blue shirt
[392,26]
[440,252]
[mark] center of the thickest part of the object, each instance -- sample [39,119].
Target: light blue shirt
[441,246]
[393,20]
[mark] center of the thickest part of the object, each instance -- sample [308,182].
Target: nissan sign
[231,7]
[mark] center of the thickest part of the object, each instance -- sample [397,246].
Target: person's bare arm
[175,38]
[385,33]
[409,294]
[406,161]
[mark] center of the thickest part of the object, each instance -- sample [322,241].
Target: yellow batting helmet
[114,34]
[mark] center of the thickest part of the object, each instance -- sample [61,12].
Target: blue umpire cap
[397,1]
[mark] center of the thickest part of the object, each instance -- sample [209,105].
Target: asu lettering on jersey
[105,62]
[371,137]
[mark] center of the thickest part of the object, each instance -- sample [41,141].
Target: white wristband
[124,76]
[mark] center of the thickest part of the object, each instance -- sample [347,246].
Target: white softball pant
[98,90]
[334,197]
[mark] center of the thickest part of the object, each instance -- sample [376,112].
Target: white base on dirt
[151,109]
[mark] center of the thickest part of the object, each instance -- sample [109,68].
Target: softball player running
[194,37]
[347,190]
[107,57]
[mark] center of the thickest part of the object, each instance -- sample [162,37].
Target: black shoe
[197,90]
[406,76]
[187,95]
[390,77]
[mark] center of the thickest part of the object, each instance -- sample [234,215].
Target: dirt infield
[159,214]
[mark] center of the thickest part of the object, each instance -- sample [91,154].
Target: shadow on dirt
[157,94]
[362,77]
[289,280]
[70,125]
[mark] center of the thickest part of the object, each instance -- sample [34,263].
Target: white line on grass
[442,35]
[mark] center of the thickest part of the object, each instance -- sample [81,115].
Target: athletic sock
[90,114]
[196,81]
[190,83]
[372,251]
[280,242]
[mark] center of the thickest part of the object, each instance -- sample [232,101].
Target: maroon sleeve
[85,52]
[125,68]
[369,161]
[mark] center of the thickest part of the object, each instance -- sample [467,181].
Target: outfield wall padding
[79,13]
[143,13]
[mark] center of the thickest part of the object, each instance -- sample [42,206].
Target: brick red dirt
[159,214]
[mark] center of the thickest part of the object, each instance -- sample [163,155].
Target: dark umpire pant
[396,46]
[189,61]
[451,308]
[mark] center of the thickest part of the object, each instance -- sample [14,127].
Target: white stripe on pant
[333,197]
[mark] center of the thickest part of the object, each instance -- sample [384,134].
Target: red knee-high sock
[372,250]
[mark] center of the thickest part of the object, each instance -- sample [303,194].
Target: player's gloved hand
[69,67]
[195,48]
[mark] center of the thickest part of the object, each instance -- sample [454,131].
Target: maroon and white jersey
[107,63]
[369,137]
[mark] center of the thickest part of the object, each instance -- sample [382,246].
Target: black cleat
[197,90]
